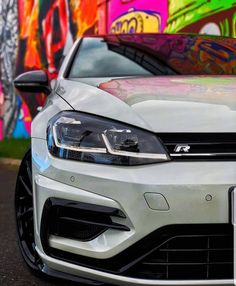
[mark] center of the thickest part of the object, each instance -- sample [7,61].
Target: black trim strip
[195,146]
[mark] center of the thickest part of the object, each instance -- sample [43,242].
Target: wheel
[24,212]
[25,228]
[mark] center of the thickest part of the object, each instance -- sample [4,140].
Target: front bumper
[68,271]
[150,196]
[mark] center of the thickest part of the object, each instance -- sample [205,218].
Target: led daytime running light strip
[108,148]
[132,154]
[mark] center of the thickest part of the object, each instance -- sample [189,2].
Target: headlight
[89,138]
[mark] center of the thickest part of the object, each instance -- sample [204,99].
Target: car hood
[162,104]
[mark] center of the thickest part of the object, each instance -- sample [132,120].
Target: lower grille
[190,256]
[173,252]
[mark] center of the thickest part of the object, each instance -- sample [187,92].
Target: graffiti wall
[8,54]
[202,16]
[36,34]
[171,16]
[137,16]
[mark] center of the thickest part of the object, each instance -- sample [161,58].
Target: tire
[25,229]
[24,213]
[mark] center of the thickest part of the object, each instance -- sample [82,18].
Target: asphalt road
[13,271]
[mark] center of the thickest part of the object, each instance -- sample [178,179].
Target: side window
[97,58]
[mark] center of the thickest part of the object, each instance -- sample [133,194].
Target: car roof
[158,35]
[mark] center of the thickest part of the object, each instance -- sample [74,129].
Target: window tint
[154,54]
[97,58]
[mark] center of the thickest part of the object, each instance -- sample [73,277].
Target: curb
[10,162]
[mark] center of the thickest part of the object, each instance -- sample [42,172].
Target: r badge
[182,148]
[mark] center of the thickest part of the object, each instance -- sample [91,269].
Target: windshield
[149,54]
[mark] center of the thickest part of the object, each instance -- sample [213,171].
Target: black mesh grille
[200,145]
[186,252]
[203,256]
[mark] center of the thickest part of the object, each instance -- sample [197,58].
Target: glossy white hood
[161,104]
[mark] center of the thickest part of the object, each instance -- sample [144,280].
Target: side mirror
[33,81]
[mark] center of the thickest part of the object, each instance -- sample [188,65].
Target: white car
[133,163]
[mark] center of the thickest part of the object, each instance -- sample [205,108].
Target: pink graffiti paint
[26,117]
[1,112]
[116,8]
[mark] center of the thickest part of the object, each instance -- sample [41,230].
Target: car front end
[133,180]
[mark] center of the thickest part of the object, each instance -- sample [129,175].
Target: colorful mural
[202,16]
[137,16]
[36,34]
[8,54]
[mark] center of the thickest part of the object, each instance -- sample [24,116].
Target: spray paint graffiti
[44,33]
[84,16]
[23,120]
[28,22]
[54,27]
[36,34]
[136,16]
[47,30]
[8,52]
[202,16]
[137,22]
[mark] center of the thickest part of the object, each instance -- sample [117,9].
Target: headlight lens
[89,138]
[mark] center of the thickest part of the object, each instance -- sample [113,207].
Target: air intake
[75,220]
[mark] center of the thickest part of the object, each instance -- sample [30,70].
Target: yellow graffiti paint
[234,25]
[137,22]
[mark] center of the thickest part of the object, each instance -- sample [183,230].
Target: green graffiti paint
[183,13]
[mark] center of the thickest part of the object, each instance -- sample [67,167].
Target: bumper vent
[208,146]
[75,220]
[189,257]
